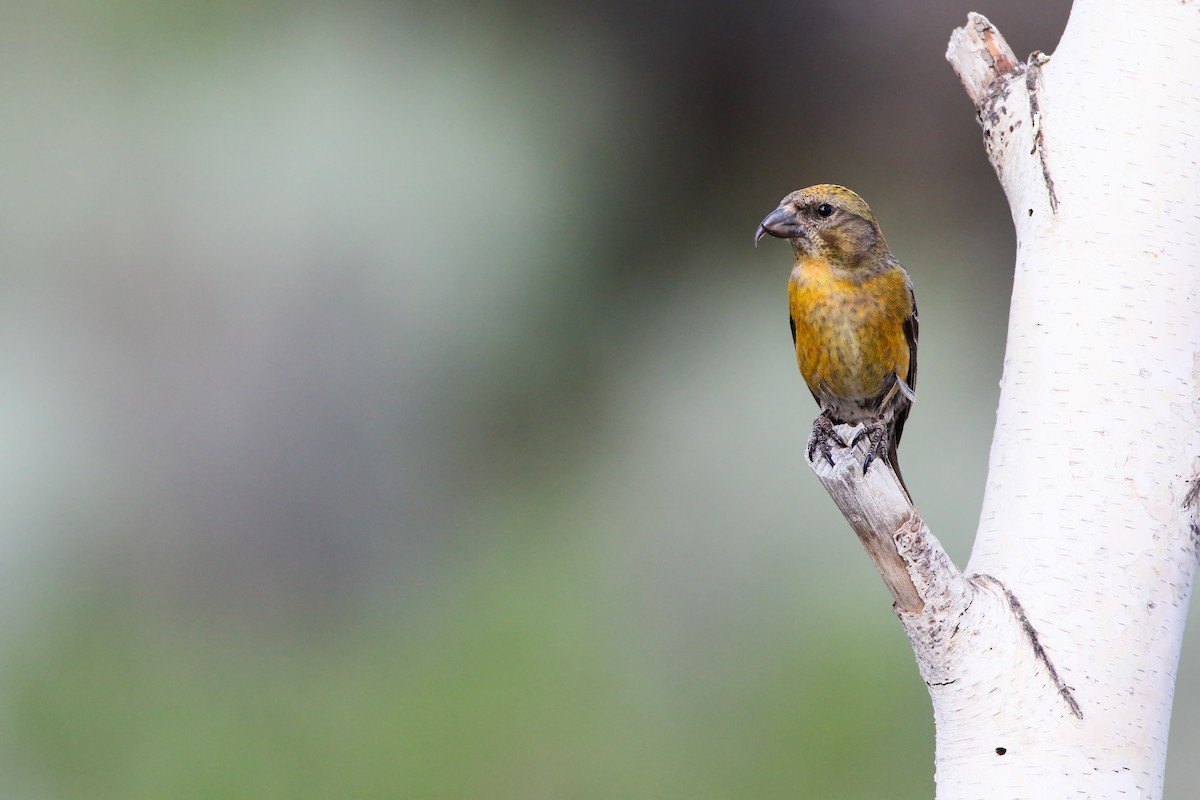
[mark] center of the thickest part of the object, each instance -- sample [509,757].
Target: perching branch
[965,633]
[879,511]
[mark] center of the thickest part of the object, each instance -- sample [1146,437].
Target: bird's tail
[895,431]
[894,460]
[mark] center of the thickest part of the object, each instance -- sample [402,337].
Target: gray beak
[782,223]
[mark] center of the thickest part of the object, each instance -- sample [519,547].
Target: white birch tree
[1051,658]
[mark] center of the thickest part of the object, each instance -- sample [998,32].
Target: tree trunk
[1051,660]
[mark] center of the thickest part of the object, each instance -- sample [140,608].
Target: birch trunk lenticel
[1051,659]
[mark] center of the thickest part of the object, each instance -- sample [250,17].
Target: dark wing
[911,327]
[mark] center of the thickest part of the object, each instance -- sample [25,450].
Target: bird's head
[826,221]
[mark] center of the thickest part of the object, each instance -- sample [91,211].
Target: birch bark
[1051,659]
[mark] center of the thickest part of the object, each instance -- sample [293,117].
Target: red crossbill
[853,316]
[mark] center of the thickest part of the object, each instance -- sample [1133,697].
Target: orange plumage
[853,317]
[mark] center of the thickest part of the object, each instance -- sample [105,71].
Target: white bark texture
[1089,515]
[1051,660]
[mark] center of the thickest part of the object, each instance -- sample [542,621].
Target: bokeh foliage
[395,407]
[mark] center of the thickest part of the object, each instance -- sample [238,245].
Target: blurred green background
[395,407]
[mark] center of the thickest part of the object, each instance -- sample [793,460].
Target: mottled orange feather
[853,315]
[849,335]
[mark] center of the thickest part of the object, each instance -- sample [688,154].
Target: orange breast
[849,336]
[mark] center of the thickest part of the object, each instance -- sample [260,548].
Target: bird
[853,317]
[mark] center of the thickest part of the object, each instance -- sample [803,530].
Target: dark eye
[824,210]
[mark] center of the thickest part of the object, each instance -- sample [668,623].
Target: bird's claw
[875,435]
[822,434]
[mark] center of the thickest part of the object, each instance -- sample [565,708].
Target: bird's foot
[822,434]
[876,436]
